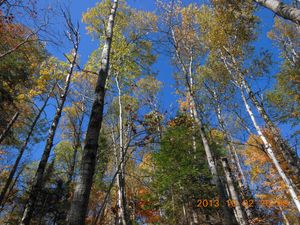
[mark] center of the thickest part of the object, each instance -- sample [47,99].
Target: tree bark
[122,212]
[238,171]
[229,218]
[9,126]
[291,158]
[239,79]
[23,148]
[228,215]
[80,201]
[281,9]
[38,179]
[287,153]
[240,214]
[271,153]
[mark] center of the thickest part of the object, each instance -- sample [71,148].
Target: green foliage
[284,99]
[131,53]
[181,174]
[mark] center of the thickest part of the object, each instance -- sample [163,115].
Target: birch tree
[187,56]
[38,179]
[80,200]
[281,9]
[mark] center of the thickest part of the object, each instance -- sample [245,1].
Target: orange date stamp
[247,203]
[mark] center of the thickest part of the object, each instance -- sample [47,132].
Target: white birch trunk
[240,215]
[38,178]
[271,153]
[121,174]
[228,215]
[282,9]
[289,156]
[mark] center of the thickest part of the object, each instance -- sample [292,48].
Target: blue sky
[168,97]
[87,45]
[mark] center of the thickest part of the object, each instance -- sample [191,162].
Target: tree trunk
[234,196]
[228,214]
[243,85]
[122,213]
[271,153]
[229,218]
[38,179]
[238,171]
[23,148]
[9,126]
[290,156]
[76,147]
[285,219]
[80,201]
[281,9]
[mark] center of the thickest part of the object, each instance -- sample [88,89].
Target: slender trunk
[76,147]
[290,156]
[80,201]
[243,85]
[118,168]
[229,218]
[191,84]
[281,9]
[11,188]
[121,177]
[240,214]
[271,153]
[285,219]
[23,148]
[120,217]
[238,171]
[184,214]
[195,217]
[71,170]
[228,215]
[38,179]
[9,126]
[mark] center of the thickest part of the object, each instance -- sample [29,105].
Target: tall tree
[83,187]
[38,179]
[188,52]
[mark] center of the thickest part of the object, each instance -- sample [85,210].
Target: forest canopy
[171,112]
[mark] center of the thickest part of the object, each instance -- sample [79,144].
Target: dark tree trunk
[80,200]
[9,126]
[23,148]
[38,179]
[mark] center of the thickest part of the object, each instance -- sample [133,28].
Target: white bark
[241,180]
[240,216]
[121,174]
[188,73]
[281,9]
[284,217]
[271,153]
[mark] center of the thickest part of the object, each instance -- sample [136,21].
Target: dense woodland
[99,142]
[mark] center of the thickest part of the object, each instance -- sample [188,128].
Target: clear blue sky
[87,45]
